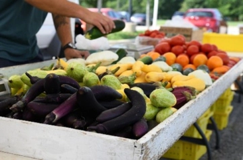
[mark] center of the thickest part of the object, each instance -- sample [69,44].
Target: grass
[123,35]
[131,35]
[234,23]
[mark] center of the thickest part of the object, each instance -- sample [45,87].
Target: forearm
[63,28]
[60,7]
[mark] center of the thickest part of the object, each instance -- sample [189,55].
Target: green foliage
[228,8]
[167,8]
[123,35]
[232,9]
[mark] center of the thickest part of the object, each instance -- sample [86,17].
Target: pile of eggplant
[61,101]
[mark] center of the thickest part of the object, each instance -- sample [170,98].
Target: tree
[229,8]
[91,3]
[167,8]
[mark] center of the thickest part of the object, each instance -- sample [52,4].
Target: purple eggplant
[66,88]
[28,115]
[7,103]
[146,87]
[130,117]
[182,98]
[63,80]
[111,104]
[114,112]
[62,110]
[183,95]
[56,98]
[41,109]
[17,115]
[185,88]
[68,80]
[35,90]
[125,133]
[74,120]
[105,93]
[52,84]
[140,128]
[33,79]
[87,101]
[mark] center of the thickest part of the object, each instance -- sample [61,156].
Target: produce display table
[49,142]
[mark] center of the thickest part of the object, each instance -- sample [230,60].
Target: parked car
[125,15]
[206,18]
[178,13]
[140,19]
[107,12]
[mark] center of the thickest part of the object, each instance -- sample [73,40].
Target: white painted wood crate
[49,142]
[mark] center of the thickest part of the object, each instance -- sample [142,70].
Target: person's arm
[70,9]
[62,25]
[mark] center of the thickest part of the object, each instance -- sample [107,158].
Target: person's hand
[104,23]
[73,53]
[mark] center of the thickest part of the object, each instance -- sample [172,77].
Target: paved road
[231,138]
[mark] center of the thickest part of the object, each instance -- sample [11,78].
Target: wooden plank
[163,136]
[19,69]
[7,156]
[49,142]
[58,143]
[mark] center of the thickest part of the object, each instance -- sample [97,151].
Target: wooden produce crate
[49,142]
[189,33]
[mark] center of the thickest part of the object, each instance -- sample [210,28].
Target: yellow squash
[137,68]
[151,68]
[154,76]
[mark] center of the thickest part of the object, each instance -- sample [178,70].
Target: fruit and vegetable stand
[50,142]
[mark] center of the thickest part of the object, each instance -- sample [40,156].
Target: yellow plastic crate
[228,93]
[222,103]
[225,42]
[187,150]
[202,123]
[221,119]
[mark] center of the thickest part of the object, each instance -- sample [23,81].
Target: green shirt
[19,23]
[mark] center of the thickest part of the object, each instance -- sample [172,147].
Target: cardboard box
[189,33]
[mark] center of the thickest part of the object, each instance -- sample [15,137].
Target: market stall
[158,55]
[43,141]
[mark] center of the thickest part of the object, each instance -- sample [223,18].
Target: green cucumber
[146,59]
[161,58]
[187,71]
[121,52]
[94,32]
[176,67]
[204,68]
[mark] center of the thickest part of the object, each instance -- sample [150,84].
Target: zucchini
[187,71]
[161,58]
[94,32]
[176,67]
[146,59]
[121,52]
[204,68]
